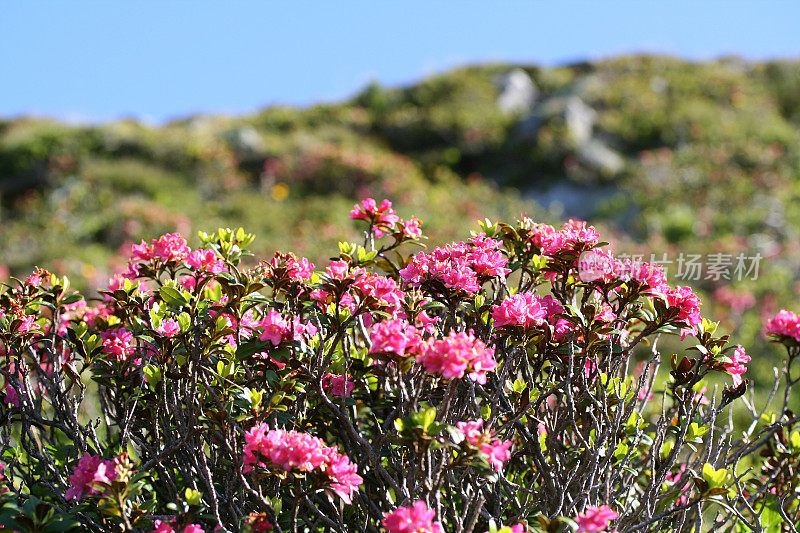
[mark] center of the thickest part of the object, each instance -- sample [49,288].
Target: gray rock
[580,119]
[245,141]
[567,199]
[518,92]
[597,155]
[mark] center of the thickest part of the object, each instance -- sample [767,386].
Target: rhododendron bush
[510,382]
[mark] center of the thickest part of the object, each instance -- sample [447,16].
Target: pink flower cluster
[456,355]
[276,328]
[396,337]
[411,228]
[91,470]
[169,247]
[118,343]
[382,217]
[688,305]
[291,267]
[601,265]
[458,266]
[206,260]
[525,309]
[382,288]
[574,235]
[338,385]
[416,518]
[737,301]
[498,451]
[165,527]
[786,324]
[737,365]
[168,327]
[594,519]
[293,450]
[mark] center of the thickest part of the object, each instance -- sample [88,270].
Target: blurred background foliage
[666,156]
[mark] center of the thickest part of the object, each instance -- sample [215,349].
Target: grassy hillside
[669,156]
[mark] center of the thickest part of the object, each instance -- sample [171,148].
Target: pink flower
[381,217]
[496,450]
[574,235]
[171,247]
[35,279]
[338,269]
[523,309]
[291,267]
[293,450]
[597,265]
[688,305]
[168,327]
[206,260]
[785,323]
[649,275]
[339,385]
[411,228]
[163,527]
[458,265]
[193,528]
[456,355]
[3,490]
[275,328]
[395,337]
[416,518]
[473,431]
[91,470]
[594,519]
[142,252]
[382,288]
[28,324]
[736,367]
[118,343]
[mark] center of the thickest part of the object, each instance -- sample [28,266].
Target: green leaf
[172,296]
[714,478]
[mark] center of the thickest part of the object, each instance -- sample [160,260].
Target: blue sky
[157,60]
